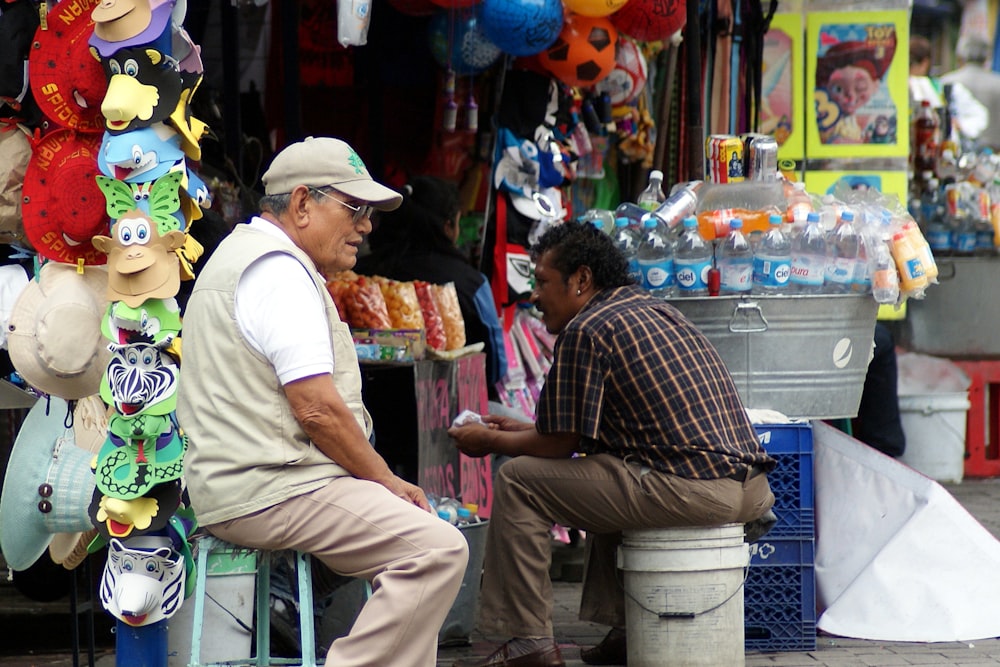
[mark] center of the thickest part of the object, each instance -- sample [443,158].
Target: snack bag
[359,301]
[446,298]
[433,325]
[401,300]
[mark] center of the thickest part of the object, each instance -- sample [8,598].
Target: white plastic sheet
[897,557]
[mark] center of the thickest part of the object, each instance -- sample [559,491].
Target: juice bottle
[912,278]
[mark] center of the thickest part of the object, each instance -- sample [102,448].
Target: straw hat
[54,331]
[47,488]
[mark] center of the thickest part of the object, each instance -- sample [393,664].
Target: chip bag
[359,301]
[446,298]
[401,300]
[433,325]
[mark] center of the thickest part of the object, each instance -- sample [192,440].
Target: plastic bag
[446,298]
[353,18]
[433,325]
[401,300]
[359,301]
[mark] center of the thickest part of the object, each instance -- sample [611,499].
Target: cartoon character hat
[54,331]
[47,487]
[142,263]
[62,205]
[321,162]
[144,87]
[144,582]
[874,57]
[67,83]
[117,517]
[121,24]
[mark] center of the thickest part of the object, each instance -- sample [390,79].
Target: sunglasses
[363,211]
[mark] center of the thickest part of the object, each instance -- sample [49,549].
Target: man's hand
[505,423]
[408,492]
[473,440]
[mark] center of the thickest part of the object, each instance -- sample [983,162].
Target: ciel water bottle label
[658,274]
[692,275]
[634,272]
[771,272]
[736,277]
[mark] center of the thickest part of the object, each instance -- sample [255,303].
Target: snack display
[359,301]
[446,298]
[402,303]
[433,325]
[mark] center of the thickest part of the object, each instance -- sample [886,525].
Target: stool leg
[263,608]
[200,591]
[307,634]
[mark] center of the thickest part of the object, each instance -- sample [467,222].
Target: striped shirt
[636,379]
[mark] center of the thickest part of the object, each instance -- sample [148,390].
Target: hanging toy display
[457,41]
[628,78]
[650,20]
[522,27]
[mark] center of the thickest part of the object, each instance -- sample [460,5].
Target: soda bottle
[651,198]
[735,261]
[808,258]
[925,137]
[692,260]
[656,259]
[843,250]
[772,262]
[627,240]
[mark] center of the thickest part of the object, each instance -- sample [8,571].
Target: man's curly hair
[576,244]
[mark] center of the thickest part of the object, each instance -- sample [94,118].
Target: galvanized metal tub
[957,318]
[804,355]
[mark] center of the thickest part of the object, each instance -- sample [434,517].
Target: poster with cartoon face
[857,76]
[782,86]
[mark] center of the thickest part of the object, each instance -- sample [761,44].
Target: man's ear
[299,202]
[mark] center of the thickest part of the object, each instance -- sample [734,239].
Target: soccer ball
[628,78]
[584,51]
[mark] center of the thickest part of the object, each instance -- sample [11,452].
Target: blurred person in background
[417,242]
[984,84]
[967,114]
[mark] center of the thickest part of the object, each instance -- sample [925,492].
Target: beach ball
[584,52]
[628,78]
[522,27]
[469,52]
[650,20]
[593,7]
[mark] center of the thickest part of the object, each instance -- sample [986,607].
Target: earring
[578,292]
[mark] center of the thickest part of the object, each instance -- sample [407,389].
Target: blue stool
[208,544]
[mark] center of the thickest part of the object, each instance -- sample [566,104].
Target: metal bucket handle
[746,309]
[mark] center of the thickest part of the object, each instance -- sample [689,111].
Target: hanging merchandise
[522,27]
[628,78]
[353,19]
[594,7]
[584,52]
[457,41]
[650,20]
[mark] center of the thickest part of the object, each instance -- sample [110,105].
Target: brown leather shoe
[613,650]
[546,656]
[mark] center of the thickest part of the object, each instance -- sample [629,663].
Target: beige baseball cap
[320,162]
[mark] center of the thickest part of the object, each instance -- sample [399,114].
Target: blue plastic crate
[791,445]
[779,598]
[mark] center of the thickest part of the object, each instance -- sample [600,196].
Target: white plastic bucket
[684,596]
[934,425]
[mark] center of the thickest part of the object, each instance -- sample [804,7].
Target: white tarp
[897,557]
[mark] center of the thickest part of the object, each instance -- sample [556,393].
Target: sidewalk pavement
[981,497]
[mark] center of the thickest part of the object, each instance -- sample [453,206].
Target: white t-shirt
[282,315]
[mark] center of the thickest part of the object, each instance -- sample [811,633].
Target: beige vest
[246,449]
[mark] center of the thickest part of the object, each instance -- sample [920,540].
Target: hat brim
[367,190]
[22,342]
[42,444]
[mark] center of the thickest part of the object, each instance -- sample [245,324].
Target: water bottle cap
[464,513]
[812,217]
[735,223]
[690,221]
[656,175]
[774,219]
[444,514]
[622,222]
[847,216]
[649,221]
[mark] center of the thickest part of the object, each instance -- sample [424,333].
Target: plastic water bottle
[772,262]
[692,260]
[735,261]
[808,258]
[627,240]
[885,278]
[651,198]
[635,213]
[600,218]
[656,259]
[844,249]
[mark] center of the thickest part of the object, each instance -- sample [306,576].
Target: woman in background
[417,242]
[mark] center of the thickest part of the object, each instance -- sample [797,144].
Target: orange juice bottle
[909,262]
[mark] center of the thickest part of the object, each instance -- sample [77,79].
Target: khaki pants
[414,560]
[602,495]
